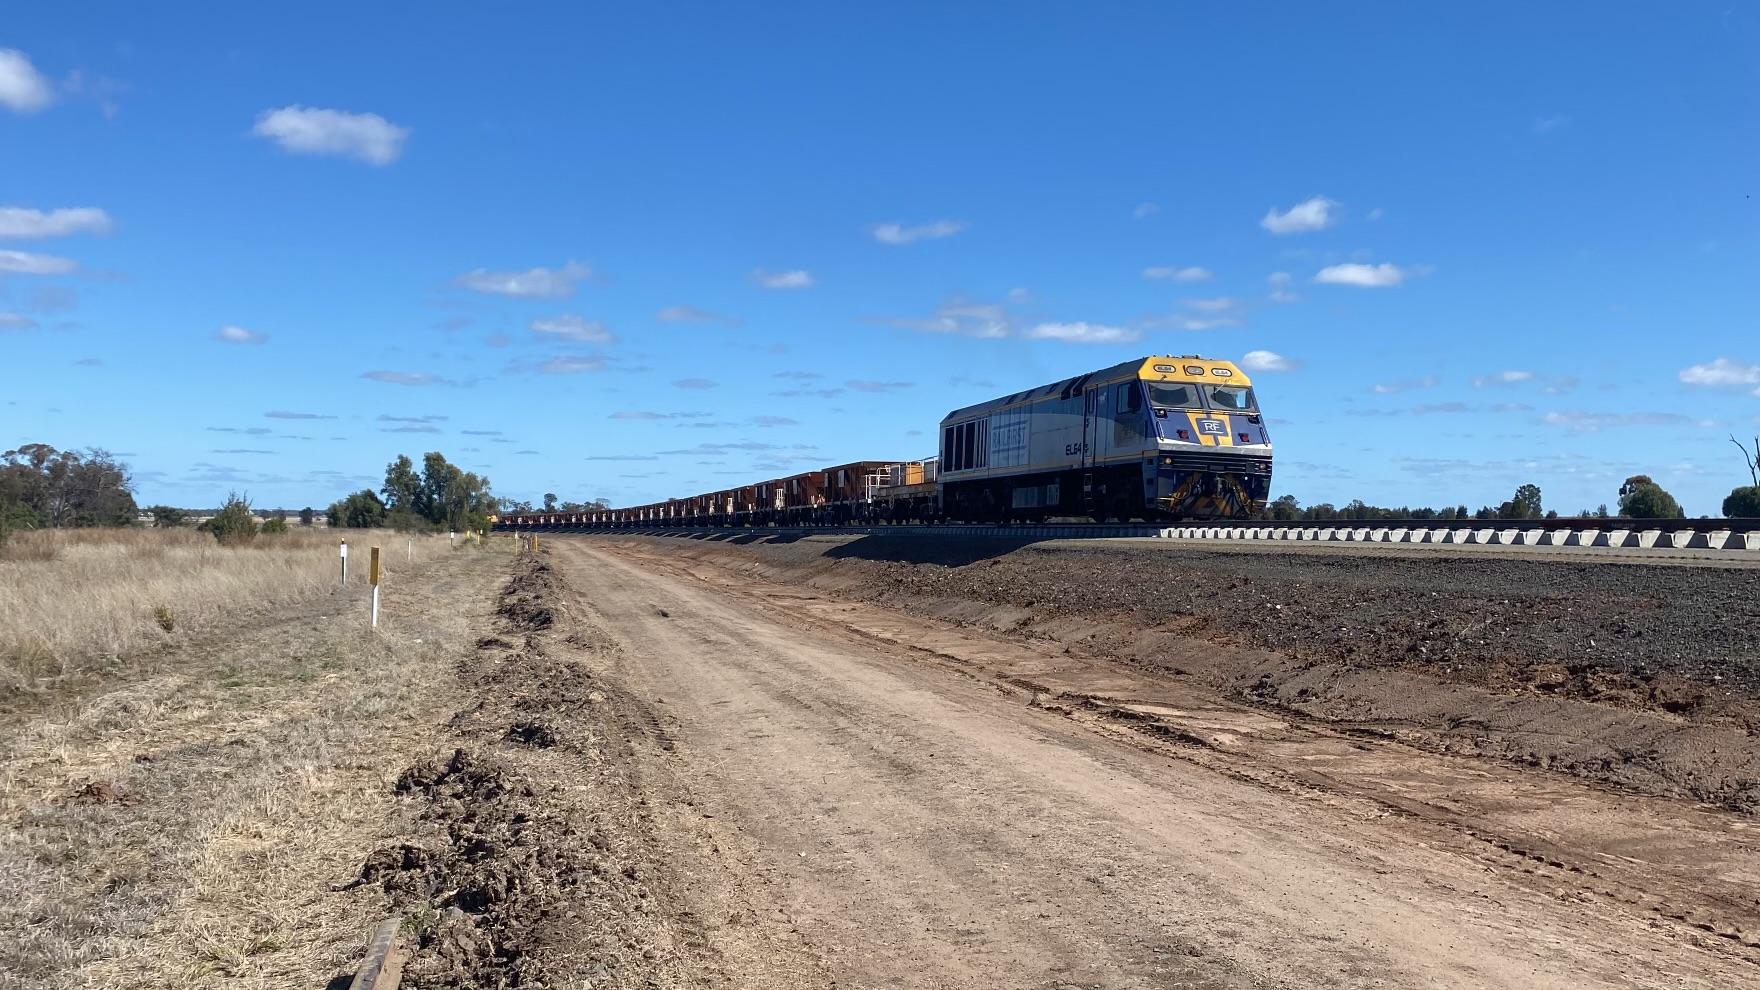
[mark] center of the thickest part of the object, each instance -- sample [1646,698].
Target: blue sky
[642,251]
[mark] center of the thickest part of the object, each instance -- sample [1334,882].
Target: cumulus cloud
[1192,273]
[1313,214]
[239,335]
[26,263]
[16,321]
[570,326]
[1266,361]
[367,137]
[1083,333]
[533,283]
[20,223]
[795,279]
[692,314]
[22,88]
[402,377]
[1722,373]
[1379,276]
[893,233]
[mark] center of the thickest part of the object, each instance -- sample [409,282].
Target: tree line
[1640,497]
[441,496]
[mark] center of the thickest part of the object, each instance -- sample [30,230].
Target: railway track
[1582,534]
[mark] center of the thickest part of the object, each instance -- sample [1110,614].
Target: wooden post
[412,549]
[373,578]
[343,550]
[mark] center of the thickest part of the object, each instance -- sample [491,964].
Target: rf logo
[1214,427]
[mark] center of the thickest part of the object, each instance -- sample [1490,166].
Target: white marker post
[412,549]
[373,578]
[343,551]
[450,538]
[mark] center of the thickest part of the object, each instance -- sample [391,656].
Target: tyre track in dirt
[930,827]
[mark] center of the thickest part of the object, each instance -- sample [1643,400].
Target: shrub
[162,615]
[1743,503]
[274,527]
[233,525]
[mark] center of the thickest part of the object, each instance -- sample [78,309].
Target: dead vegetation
[183,826]
[74,602]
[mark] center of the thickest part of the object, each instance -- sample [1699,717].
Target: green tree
[234,525]
[42,486]
[403,489]
[1642,498]
[168,517]
[549,501]
[1525,504]
[307,517]
[276,526]
[362,510]
[1284,508]
[1743,503]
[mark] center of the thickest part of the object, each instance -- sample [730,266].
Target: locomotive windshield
[1174,395]
[1232,398]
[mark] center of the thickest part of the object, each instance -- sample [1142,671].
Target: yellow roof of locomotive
[1191,369]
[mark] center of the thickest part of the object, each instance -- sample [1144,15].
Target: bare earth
[926,806]
[635,764]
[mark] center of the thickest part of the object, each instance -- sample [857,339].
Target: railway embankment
[1637,677]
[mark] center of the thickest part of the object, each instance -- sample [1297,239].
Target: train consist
[1155,438]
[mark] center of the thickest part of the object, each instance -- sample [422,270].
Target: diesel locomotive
[1154,438]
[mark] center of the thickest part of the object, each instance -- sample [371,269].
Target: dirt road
[904,804]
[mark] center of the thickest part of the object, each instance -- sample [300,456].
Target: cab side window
[1127,414]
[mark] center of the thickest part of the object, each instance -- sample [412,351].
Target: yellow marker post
[373,579]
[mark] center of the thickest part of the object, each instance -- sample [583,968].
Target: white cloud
[1218,304]
[1313,214]
[986,321]
[1083,333]
[1379,276]
[1510,376]
[692,314]
[239,335]
[795,279]
[1722,373]
[1546,125]
[25,263]
[17,223]
[569,326]
[1172,274]
[1393,388]
[1266,361]
[1019,295]
[22,87]
[1280,283]
[534,283]
[402,377]
[1145,210]
[1376,214]
[571,365]
[1590,422]
[314,131]
[1180,321]
[892,233]
[16,321]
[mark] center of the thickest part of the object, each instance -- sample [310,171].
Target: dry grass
[182,826]
[73,602]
